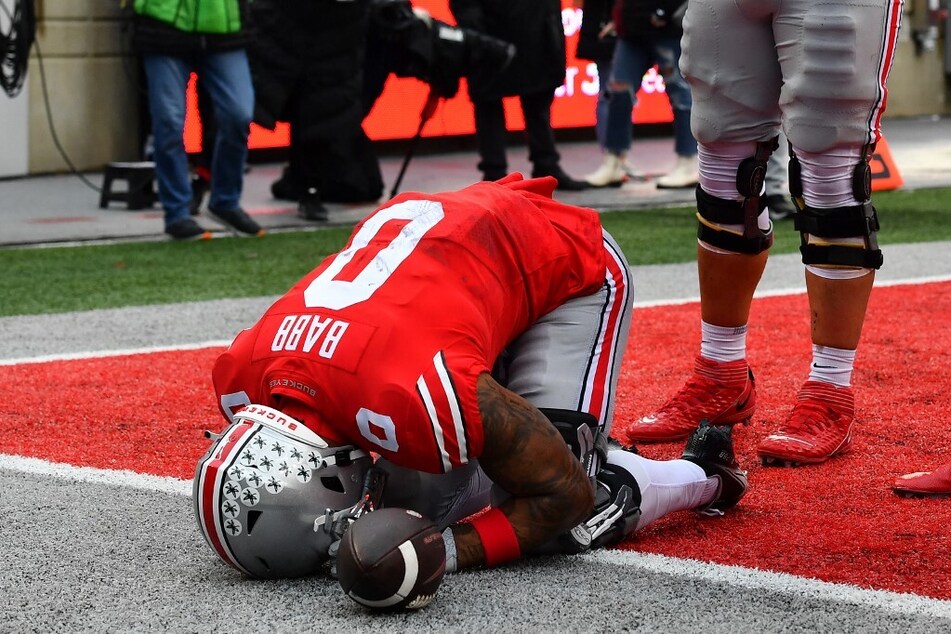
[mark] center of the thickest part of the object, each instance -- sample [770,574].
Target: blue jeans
[613,125]
[227,78]
[632,60]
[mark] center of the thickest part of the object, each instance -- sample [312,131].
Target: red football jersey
[383,342]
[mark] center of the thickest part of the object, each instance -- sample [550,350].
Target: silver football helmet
[264,491]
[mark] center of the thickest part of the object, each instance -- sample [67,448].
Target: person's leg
[227,78]
[570,358]
[490,136]
[167,79]
[734,109]
[614,127]
[536,109]
[686,171]
[832,134]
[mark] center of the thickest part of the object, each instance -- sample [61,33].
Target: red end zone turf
[837,522]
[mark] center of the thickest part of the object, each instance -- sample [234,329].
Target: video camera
[412,44]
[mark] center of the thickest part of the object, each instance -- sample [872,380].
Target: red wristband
[498,537]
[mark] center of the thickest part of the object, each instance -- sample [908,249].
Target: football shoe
[925,484]
[711,448]
[722,392]
[819,427]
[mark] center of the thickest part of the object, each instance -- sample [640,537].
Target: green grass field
[37,281]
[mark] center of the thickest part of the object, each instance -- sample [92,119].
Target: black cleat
[711,448]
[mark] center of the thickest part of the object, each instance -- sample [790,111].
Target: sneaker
[610,174]
[633,173]
[238,220]
[925,484]
[686,173]
[780,207]
[310,207]
[711,448]
[723,393]
[565,182]
[187,229]
[819,427]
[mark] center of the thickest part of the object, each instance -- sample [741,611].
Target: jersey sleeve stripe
[454,407]
[212,473]
[424,394]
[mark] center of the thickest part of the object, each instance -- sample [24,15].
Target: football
[392,559]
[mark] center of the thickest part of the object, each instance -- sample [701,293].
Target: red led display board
[396,113]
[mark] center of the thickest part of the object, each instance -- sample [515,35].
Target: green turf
[36,281]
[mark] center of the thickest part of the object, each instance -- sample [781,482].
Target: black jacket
[534,27]
[307,64]
[158,38]
[633,18]
[596,14]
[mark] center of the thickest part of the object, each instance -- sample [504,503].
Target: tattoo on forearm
[528,458]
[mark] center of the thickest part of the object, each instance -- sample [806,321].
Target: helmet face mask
[260,487]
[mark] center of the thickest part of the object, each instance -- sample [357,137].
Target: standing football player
[816,70]
[471,341]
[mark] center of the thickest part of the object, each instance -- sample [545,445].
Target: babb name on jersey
[327,332]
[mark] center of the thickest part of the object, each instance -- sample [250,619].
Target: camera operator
[307,62]
[535,28]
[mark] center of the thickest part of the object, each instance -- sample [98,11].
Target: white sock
[720,343]
[666,486]
[832,365]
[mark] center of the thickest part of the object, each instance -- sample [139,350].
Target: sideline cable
[15,45]
[15,50]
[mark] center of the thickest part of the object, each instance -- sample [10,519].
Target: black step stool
[139,178]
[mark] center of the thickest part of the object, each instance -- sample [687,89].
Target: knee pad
[840,237]
[583,436]
[617,506]
[717,217]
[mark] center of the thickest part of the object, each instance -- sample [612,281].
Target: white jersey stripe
[434,421]
[454,407]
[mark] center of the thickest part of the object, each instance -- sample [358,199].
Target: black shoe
[712,449]
[238,220]
[780,207]
[187,229]
[310,207]
[200,187]
[492,175]
[565,182]
[286,187]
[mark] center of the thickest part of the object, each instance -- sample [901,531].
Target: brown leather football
[392,559]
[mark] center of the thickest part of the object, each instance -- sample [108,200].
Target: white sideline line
[224,343]
[776,582]
[798,290]
[128,479]
[72,356]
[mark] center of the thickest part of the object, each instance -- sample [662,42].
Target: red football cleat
[723,393]
[819,427]
[925,484]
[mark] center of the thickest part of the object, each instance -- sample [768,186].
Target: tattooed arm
[526,456]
